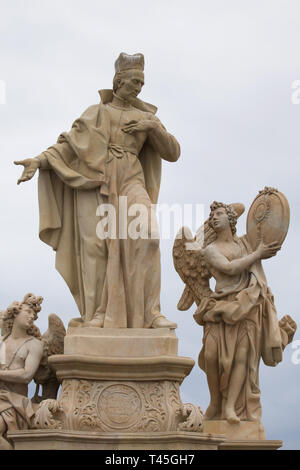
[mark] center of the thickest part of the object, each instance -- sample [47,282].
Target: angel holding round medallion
[239,318]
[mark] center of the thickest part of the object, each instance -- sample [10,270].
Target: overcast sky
[221,74]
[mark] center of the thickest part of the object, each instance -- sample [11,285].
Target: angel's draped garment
[245,309]
[95,163]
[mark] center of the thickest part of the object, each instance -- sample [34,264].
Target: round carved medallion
[268,218]
[261,211]
[119,406]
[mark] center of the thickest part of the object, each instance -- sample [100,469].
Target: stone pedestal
[120,380]
[120,390]
[245,435]
[79,440]
[121,342]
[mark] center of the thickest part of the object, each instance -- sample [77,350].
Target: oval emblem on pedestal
[268,218]
[119,406]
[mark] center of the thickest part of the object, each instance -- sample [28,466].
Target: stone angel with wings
[24,356]
[239,317]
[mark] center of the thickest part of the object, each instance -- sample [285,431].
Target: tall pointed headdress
[129,62]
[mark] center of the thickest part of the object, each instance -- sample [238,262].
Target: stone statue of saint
[114,149]
[239,318]
[21,351]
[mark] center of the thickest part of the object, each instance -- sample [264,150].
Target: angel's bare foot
[231,416]
[212,411]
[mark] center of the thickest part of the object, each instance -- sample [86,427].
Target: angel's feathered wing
[190,265]
[54,336]
[53,343]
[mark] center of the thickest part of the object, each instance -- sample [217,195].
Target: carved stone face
[25,318]
[130,85]
[219,219]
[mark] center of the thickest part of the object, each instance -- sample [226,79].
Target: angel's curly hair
[15,308]
[232,215]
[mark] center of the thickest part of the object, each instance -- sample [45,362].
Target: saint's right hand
[30,166]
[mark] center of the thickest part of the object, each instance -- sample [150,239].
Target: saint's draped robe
[93,164]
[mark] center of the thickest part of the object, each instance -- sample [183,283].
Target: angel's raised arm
[216,260]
